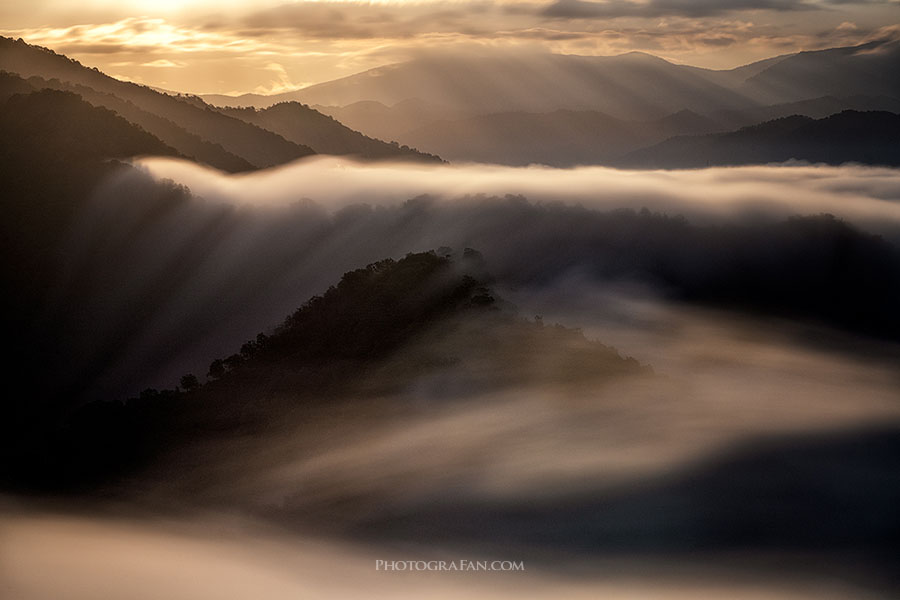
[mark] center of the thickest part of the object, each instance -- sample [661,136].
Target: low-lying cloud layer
[207,272]
[544,464]
[757,410]
[869,197]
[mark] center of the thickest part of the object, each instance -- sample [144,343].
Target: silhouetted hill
[817,108]
[813,269]
[850,136]
[304,125]
[56,150]
[562,138]
[65,126]
[255,146]
[392,323]
[55,147]
[374,333]
[188,144]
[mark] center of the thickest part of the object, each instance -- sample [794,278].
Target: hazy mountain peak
[638,56]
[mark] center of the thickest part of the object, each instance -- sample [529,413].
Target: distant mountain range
[515,109]
[634,86]
[569,110]
[631,86]
[186,123]
[560,138]
[850,136]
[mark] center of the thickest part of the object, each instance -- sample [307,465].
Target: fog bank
[165,279]
[867,195]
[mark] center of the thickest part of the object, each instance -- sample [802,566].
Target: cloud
[141,35]
[343,20]
[865,195]
[206,274]
[163,64]
[228,51]
[718,41]
[282,82]
[581,9]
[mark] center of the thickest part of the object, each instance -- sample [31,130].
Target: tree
[189,382]
[216,369]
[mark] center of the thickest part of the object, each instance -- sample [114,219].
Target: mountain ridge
[561,138]
[871,137]
[258,147]
[199,131]
[302,124]
[752,81]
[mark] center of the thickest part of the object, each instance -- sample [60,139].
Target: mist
[309,503]
[209,266]
[745,376]
[259,562]
[864,195]
[269,375]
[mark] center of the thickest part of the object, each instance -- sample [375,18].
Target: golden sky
[267,46]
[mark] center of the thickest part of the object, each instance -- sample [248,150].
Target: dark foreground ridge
[371,335]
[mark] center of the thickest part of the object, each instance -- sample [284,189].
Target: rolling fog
[431,474]
[866,195]
[604,488]
[307,508]
[209,271]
